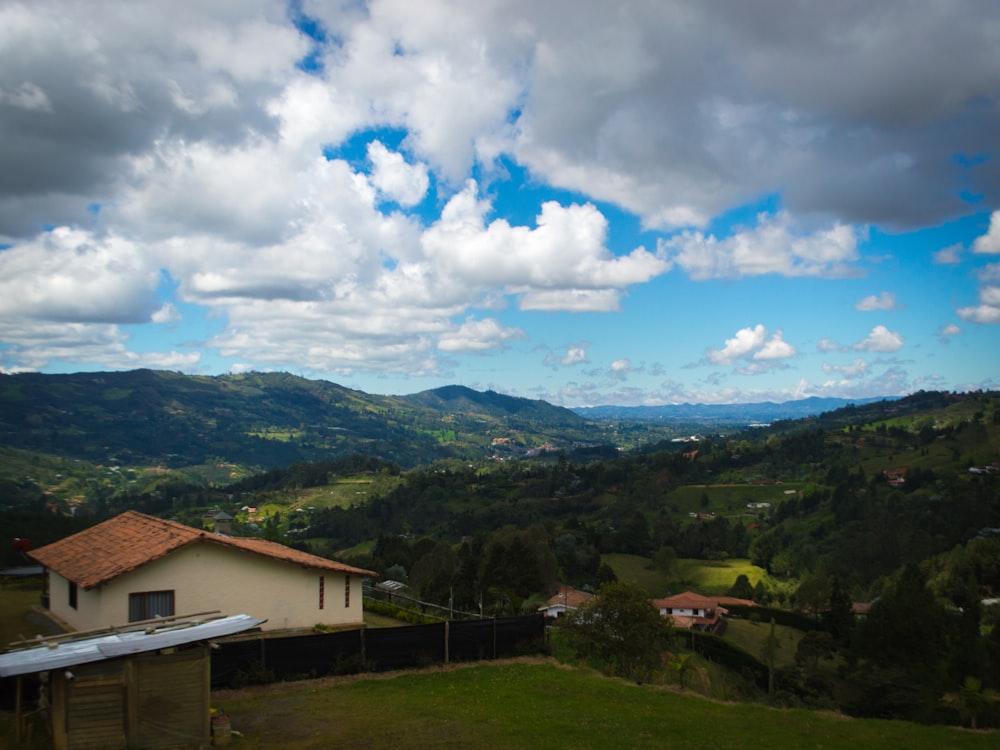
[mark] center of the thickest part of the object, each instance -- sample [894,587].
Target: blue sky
[585,202]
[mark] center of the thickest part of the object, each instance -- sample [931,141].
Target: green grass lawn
[543,705]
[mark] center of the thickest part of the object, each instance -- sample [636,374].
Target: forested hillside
[895,505]
[263,420]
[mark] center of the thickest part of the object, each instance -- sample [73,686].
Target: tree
[742,588]
[665,560]
[970,699]
[621,628]
[682,665]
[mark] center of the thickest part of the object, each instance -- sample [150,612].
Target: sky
[707,201]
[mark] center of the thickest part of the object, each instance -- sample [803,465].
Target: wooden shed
[147,686]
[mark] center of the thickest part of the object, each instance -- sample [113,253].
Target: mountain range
[730,414]
[147,417]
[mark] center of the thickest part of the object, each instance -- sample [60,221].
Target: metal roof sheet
[69,653]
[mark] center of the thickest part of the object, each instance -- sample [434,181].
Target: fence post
[494,638]
[364,658]
[447,636]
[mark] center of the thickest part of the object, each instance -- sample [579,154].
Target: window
[149,604]
[347,591]
[72,595]
[322,586]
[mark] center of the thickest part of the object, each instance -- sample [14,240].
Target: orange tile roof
[686,600]
[569,597]
[123,543]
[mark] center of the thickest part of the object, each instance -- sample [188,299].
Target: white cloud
[989,242]
[980,314]
[988,309]
[478,336]
[561,257]
[72,275]
[947,332]
[619,369]
[576,354]
[828,345]
[166,314]
[746,341]
[775,348]
[770,247]
[765,354]
[883,301]
[571,300]
[404,183]
[880,339]
[950,255]
[857,369]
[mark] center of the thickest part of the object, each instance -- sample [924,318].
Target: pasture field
[702,576]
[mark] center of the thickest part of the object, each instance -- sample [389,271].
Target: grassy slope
[541,705]
[703,576]
[752,636]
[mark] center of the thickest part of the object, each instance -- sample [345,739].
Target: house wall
[87,614]
[208,576]
[685,612]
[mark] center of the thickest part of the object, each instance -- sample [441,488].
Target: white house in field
[135,567]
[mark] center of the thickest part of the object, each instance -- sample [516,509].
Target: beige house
[135,567]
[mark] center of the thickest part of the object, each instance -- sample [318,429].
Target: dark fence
[247,661]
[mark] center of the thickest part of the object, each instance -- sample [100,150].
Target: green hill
[149,417]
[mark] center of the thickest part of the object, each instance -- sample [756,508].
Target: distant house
[895,477]
[223,523]
[565,600]
[691,611]
[136,567]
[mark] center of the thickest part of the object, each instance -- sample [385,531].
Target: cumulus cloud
[619,369]
[575,354]
[478,336]
[950,255]
[856,369]
[71,275]
[563,256]
[988,309]
[947,332]
[772,246]
[829,345]
[753,345]
[404,183]
[880,339]
[218,145]
[883,301]
[989,242]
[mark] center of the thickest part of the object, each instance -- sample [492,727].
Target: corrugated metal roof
[69,653]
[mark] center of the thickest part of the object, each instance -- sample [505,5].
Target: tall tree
[622,629]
